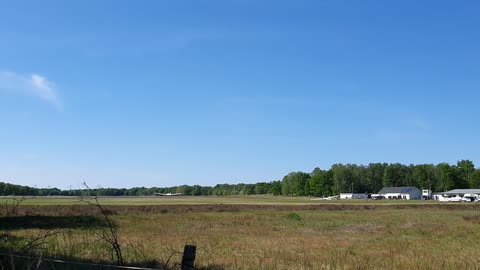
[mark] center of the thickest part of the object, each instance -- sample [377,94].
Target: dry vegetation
[269,237]
[200,200]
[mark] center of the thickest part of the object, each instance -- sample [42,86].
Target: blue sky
[160,93]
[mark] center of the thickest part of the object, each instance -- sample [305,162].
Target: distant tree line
[339,178]
[273,187]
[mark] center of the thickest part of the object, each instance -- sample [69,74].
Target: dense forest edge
[339,178]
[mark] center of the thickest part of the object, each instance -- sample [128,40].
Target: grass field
[195,200]
[286,235]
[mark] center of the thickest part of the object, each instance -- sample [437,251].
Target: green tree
[261,188]
[294,183]
[425,176]
[410,179]
[395,175]
[314,187]
[276,188]
[343,178]
[359,181]
[197,190]
[447,177]
[374,177]
[466,169]
[475,179]
[327,184]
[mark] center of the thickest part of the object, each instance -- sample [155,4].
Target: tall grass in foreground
[360,239]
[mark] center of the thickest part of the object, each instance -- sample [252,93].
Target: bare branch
[11,208]
[39,240]
[110,236]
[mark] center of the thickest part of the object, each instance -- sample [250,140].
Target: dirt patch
[84,210]
[473,219]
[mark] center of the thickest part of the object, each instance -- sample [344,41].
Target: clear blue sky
[160,93]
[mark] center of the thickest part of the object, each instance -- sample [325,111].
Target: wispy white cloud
[32,85]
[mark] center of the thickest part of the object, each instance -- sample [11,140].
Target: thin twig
[110,236]
[12,210]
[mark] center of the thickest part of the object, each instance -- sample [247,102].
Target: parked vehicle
[471,198]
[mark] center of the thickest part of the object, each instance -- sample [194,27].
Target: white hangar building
[401,193]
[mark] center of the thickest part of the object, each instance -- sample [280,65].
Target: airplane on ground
[471,198]
[168,194]
[448,198]
[325,198]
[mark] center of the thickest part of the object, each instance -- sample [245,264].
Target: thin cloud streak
[32,85]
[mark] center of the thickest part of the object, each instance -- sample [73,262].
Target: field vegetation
[293,235]
[196,200]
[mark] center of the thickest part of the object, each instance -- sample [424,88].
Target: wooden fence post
[188,258]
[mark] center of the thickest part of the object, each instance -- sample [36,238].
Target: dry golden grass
[303,239]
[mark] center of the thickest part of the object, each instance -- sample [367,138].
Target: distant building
[462,192]
[349,196]
[401,193]
[458,195]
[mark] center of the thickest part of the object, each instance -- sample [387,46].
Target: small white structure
[426,194]
[401,193]
[350,196]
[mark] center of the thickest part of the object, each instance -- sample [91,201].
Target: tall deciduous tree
[343,178]
[425,175]
[374,176]
[276,188]
[466,169]
[475,179]
[447,177]
[294,183]
[395,175]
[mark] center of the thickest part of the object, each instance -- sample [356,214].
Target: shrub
[294,216]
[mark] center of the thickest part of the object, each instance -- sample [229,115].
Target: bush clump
[294,216]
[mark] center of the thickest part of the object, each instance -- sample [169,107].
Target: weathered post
[188,258]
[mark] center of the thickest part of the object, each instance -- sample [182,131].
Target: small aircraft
[448,198]
[325,198]
[471,198]
[168,194]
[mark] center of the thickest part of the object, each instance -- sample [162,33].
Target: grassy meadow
[378,238]
[196,200]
